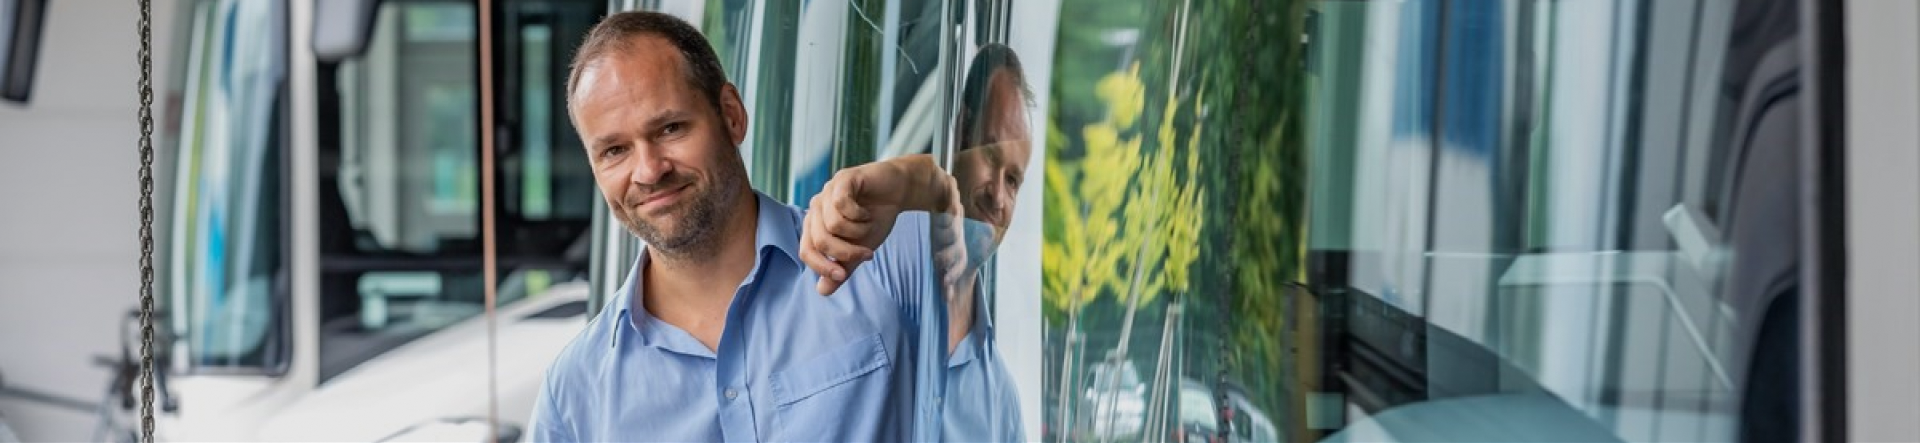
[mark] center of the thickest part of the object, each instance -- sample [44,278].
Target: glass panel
[1422,221]
[1342,219]
[400,196]
[1134,315]
[406,185]
[989,147]
[537,196]
[832,84]
[828,84]
[226,268]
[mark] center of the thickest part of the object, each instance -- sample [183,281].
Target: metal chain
[146,221]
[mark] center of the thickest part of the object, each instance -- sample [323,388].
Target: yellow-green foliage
[1120,206]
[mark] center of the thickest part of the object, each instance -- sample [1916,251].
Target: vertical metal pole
[1823,296]
[953,25]
[488,250]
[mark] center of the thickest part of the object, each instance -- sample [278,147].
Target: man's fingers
[952,262]
[847,203]
[947,230]
[848,183]
[814,257]
[846,229]
[820,264]
[843,253]
[950,252]
[826,286]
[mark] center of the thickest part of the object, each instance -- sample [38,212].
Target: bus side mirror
[21,25]
[341,28]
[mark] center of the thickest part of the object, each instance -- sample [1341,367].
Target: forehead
[1008,112]
[643,70]
[1005,104]
[1017,151]
[1006,90]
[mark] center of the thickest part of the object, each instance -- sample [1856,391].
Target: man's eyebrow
[652,122]
[993,151]
[604,141]
[664,116]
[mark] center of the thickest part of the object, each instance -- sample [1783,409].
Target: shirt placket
[735,400]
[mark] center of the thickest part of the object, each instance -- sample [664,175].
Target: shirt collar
[623,301]
[980,302]
[979,340]
[777,227]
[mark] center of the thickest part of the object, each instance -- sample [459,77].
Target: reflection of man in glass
[718,333]
[992,137]
[981,401]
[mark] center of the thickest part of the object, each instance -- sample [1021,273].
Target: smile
[662,199]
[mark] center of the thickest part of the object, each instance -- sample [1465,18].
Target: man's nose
[649,166]
[995,199]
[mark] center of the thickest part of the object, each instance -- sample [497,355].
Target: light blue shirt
[791,365]
[983,402]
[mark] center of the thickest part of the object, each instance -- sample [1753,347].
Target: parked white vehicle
[319,224]
[1115,400]
[433,387]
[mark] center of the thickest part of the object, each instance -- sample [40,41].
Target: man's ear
[734,113]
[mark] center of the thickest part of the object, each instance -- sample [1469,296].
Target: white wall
[68,209]
[1034,24]
[1883,112]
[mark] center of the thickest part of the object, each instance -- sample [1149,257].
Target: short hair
[992,58]
[617,32]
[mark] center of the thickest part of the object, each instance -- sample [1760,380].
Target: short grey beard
[702,222]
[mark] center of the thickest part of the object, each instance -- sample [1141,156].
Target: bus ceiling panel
[341,28]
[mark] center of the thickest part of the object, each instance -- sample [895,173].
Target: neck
[690,282]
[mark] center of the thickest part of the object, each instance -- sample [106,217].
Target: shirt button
[732,393]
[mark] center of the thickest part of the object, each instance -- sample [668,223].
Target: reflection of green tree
[1128,191]
[1255,84]
[1122,220]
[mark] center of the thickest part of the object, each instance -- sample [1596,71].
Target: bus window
[226,269]
[400,174]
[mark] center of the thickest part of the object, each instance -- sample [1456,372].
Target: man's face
[990,168]
[664,158]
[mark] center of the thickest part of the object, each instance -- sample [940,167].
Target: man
[994,149]
[988,170]
[718,333]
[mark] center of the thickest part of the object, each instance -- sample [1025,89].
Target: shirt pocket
[829,374]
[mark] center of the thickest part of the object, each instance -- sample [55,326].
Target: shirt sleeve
[1011,425]
[904,261]
[549,423]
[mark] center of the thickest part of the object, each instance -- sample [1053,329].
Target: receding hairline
[620,34]
[625,47]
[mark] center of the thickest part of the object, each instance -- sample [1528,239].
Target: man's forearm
[926,186]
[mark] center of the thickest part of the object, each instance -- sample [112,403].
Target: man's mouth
[663,198]
[988,216]
[980,212]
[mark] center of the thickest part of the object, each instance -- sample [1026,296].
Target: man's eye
[1013,180]
[673,128]
[613,151]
